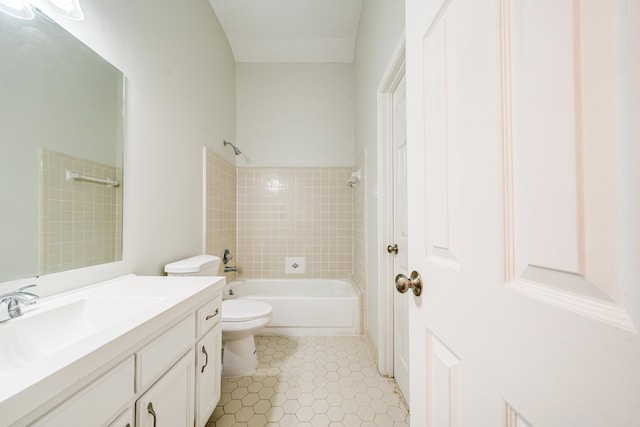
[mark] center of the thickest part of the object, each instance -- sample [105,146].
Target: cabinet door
[169,403]
[124,420]
[208,358]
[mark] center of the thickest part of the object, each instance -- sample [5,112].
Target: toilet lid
[238,310]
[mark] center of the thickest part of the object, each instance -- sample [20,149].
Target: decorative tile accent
[80,222]
[311,381]
[295,212]
[221,208]
[295,265]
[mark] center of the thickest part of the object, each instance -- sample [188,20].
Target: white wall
[295,114]
[381,29]
[180,96]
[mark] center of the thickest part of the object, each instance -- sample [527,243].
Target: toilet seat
[241,310]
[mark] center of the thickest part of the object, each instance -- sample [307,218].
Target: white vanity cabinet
[165,373]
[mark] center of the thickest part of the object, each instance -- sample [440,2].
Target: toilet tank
[200,265]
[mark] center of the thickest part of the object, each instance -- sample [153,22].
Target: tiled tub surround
[295,212]
[359,277]
[221,208]
[360,224]
[80,222]
[311,382]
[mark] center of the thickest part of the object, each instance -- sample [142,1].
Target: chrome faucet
[226,257]
[11,303]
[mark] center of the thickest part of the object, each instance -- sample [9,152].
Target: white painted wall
[180,96]
[295,114]
[381,29]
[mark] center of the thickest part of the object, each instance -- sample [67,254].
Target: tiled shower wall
[221,208]
[80,222]
[360,225]
[295,212]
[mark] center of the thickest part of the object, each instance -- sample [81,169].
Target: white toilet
[241,318]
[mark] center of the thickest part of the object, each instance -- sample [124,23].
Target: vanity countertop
[65,340]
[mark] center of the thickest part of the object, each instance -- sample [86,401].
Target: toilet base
[239,357]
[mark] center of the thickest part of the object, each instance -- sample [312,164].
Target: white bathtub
[304,306]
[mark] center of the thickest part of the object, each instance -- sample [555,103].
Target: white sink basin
[41,333]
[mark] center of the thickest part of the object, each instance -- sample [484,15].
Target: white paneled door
[524,212]
[400,237]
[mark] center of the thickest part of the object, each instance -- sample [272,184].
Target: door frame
[393,75]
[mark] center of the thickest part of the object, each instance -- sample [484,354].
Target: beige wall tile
[221,209]
[295,212]
[360,225]
[80,222]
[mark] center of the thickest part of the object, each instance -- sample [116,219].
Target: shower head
[236,150]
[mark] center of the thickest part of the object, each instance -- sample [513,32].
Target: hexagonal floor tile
[311,381]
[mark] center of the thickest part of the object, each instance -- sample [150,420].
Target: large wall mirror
[61,128]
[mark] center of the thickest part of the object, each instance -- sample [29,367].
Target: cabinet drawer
[209,315]
[159,355]
[97,403]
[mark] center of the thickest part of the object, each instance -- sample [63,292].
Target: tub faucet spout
[228,269]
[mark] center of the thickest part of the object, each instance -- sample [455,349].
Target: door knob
[403,283]
[393,249]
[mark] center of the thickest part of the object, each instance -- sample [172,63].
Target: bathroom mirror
[61,116]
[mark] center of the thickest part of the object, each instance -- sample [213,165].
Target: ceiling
[290,30]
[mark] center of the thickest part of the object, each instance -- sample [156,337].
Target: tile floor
[311,382]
